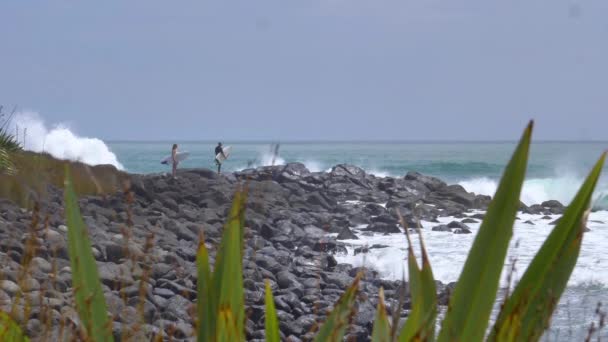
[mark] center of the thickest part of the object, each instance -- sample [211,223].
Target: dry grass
[36,171]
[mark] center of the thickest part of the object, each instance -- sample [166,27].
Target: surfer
[219,150]
[174,159]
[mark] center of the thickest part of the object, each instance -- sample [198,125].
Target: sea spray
[538,190]
[61,142]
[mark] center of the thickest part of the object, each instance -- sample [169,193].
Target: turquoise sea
[555,168]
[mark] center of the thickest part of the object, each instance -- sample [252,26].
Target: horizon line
[362,141]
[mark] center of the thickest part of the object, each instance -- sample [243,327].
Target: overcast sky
[310,69]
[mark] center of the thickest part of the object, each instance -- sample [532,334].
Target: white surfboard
[180,156]
[220,158]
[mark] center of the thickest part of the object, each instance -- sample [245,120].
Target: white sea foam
[448,252]
[61,142]
[378,173]
[267,159]
[313,166]
[537,190]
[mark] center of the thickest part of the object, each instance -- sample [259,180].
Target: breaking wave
[537,190]
[61,142]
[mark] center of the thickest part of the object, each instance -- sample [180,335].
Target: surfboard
[220,158]
[180,156]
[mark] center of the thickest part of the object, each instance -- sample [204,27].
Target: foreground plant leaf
[526,314]
[470,306]
[9,329]
[227,327]
[228,275]
[6,165]
[420,324]
[272,323]
[382,330]
[205,307]
[90,302]
[338,320]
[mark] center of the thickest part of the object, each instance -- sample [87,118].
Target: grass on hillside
[34,172]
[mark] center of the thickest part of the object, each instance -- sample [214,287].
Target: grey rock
[346,234]
[442,228]
[380,227]
[177,308]
[286,279]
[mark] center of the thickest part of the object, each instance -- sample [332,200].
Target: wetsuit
[218,150]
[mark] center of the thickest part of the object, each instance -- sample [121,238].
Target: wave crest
[538,190]
[60,142]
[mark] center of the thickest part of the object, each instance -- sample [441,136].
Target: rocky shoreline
[145,243]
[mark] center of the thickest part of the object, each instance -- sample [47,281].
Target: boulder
[432,183]
[345,170]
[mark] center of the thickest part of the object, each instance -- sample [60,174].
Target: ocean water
[556,170]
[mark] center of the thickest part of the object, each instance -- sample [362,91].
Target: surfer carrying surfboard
[219,152]
[174,159]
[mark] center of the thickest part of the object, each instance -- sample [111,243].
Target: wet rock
[461,231]
[286,279]
[381,227]
[347,234]
[554,206]
[347,171]
[456,224]
[432,183]
[442,228]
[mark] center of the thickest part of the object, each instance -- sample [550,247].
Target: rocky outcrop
[145,245]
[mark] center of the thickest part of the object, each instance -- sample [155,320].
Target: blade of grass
[9,329]
[528,311]
[338,320]
[272,324]
[470,306]
[205,306]
[382,330]
[88,293]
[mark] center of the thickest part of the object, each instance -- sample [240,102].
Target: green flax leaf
[470,306]
[90,302]
[272,323]
[420,324]
[9,329]
[334,328]
[228,274]
[526,314]
[205,306]
[382,330]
